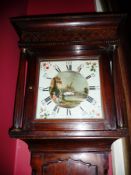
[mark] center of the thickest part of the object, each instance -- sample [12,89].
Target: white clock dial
[69,90]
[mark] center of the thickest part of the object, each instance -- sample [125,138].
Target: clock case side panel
[30,92]
[20,91]
[121,109]
[107,89]
[107,123]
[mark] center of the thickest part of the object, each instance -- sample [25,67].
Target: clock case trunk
[59,142]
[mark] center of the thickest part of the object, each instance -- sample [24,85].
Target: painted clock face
[69,90]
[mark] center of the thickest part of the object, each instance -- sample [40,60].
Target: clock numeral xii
[69,65]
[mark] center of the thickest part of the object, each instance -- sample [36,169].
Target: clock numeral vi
[68,111]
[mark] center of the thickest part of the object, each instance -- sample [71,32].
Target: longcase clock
[70,102]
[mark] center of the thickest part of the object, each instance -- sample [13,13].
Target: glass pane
[69,90]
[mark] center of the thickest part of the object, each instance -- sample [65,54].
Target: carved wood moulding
[64,29]
[75,35]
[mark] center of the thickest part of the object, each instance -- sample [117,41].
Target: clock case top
[69,37]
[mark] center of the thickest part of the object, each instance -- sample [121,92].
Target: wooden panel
[73,167]
[42,30]
[70,163]
[20,91]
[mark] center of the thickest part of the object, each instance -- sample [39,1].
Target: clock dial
[69,89]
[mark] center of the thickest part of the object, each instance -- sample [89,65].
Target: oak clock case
[70,102]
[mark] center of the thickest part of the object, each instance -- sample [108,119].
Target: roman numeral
[80,67]
[89,76]
[57,68]
[82,109]
[44,89]
[68,111]
[56,109]
[48,78]
[91,100]
[69,65]
[93,87]
[48,100]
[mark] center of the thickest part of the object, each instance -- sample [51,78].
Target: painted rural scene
[68,89]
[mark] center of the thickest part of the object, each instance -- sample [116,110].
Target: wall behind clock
[14,154]
[9,58]
[59,6]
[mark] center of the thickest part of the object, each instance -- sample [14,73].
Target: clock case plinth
[68,37]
